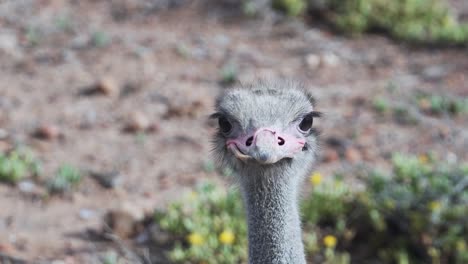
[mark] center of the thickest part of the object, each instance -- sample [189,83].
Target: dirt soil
[162,68]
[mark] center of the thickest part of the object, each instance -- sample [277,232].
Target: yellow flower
[195,239]
[226,237]
[330,241]
[435,205]
[423,159]
[316,178]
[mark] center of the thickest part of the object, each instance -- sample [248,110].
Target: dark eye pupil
[306,123]
[224,125]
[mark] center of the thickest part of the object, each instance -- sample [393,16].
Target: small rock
[312,61]
[107,86]
[221,40]
[137,122]
[3,134]
[47,132]
[9,44]
[108,179]
[86,214]
[183,108]
[80,42]
[329,59]
[352,154]
[330,155]
[435,72]
[121,222]
[26,186]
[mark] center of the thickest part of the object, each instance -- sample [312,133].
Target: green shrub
[290,7]
[421,21]
[415,215]
[380,105]
[440,104]
[100,39]
[18,164]
[64,180]
[415,21]
[209,227]
[229,73]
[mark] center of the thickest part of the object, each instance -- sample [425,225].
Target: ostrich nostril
[249,141]
[280,141]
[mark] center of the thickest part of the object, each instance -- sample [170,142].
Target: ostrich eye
[224,125]
[306,123]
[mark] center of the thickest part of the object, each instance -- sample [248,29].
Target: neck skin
[274,226]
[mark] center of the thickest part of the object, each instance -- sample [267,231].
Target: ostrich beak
[233,148]
[265,146]
[266,149]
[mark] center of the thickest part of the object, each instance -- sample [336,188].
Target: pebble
[86,214]
[189,109]
[122,223]
[47,132]
[107,86]
[137,122]
[3,134]
[329,59]
[9,44]
[26,186]
[330,155]
[221,40]
[80,42]
[110,179]
[312,61]
[435,72]
[324,60]
[352,155]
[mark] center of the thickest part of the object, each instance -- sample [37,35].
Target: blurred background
[103,121]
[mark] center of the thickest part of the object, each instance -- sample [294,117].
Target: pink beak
[265,146]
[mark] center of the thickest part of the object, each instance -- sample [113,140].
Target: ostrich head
[266,136]
[266,127]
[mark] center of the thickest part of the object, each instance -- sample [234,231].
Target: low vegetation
[415,215]
[208,227]
[420,21]
[440,104]
[415,21]
[18,164]
[64,180]
[229,73]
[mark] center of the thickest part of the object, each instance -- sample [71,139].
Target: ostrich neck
[274,227]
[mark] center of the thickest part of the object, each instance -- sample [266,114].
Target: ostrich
[265,136]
